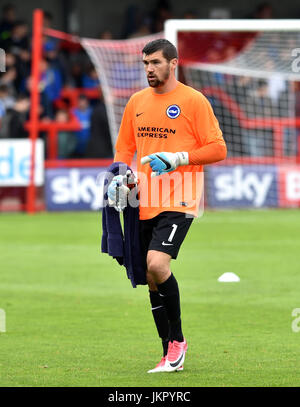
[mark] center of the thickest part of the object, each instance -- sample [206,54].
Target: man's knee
[158,266]
[151,282]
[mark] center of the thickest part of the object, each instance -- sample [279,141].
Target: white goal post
[172,27]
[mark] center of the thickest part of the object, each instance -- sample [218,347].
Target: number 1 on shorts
[170,238]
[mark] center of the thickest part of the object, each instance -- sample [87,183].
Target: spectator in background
[9,78]
[144,29]
[23,66]
[18,45]
[6,100]
[51,50]
[66,139]
[137,24]
[57,62]
[83,113]
[106,35]
[219,13]
[51,85]
[259,142]
[7,23]
[160,14]
[71,58]
[49,43]
[132,20]
[12,123]
[19,39]
[48,19]
[75,75]
[99,144]
[263,10]
[189,15]
[90,79]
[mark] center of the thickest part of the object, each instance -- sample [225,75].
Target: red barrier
[72,95]
[53,128]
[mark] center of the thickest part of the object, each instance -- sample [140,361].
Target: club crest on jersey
[173,111]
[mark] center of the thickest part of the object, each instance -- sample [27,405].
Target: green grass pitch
[73,318]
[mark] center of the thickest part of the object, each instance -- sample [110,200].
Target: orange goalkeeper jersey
[180,120]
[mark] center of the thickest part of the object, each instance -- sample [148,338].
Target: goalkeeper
[173,129]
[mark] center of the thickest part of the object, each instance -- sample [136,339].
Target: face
[10,14]
[61,116]
[24,105]
[158,68]
[83,103]
[43,65]
[20,31]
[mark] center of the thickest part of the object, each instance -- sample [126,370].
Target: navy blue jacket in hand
[125,248]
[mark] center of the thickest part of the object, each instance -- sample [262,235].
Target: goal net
[249,71]
[121,73]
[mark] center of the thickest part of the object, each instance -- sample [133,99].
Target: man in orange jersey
[174,132]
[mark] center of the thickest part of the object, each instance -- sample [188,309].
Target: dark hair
[48,15]
[262,82]
[21,96]
[20,23]
[4,88]
[8,7]
[169,51]
[82,96]
[262,6]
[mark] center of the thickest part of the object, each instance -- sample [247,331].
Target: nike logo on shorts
[138,114]
[167,244]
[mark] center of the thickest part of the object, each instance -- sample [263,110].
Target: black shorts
[164,233]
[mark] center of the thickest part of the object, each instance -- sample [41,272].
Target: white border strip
[172,27]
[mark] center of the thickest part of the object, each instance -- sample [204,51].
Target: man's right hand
[117,193]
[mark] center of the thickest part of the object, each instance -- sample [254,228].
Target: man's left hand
[165,162]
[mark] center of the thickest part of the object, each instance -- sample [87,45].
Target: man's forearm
[208,154]
[162,162]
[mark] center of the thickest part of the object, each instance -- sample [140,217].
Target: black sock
[160,318]
[165,345]
[169,293]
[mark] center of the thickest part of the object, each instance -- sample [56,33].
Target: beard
[155,82]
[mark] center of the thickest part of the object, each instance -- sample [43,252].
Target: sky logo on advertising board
[243,186]
[74,189]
